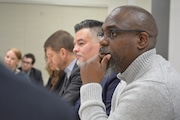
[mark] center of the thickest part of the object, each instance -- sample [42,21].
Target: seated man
[86,45]
[152,92]
[34,74]
[59,56]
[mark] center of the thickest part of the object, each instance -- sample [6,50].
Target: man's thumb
[105,60]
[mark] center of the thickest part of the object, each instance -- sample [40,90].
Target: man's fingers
[105,60]
[94,58]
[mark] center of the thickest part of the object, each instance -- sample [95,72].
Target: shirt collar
[69,68]
[138,66]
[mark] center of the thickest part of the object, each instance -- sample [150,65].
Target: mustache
[78,54]
[103,51]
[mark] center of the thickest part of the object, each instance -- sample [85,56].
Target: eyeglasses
[113,33]
[24,62]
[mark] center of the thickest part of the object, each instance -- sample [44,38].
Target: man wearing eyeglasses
[153,85]
[34,74]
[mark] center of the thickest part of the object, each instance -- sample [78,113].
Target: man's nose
[75,49]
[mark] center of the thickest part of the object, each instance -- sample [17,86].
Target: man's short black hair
[30,55]
[88,23]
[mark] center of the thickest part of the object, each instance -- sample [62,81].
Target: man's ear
[143,40]
[63,52]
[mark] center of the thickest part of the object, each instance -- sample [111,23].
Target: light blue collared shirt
[69,68]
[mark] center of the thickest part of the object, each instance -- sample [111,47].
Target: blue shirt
[69,68]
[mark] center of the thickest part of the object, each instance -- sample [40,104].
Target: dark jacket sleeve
[76,109]
[109,84]
[36,76]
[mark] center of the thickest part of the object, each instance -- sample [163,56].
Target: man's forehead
[122,20]
[114,12]
[27,58]
[112,19]
[49,50]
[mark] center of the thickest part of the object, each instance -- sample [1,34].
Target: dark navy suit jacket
[109,84]
[20,100]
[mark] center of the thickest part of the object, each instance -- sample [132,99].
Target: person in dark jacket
[27,64]
[54,81]
[59,54]
[17,104]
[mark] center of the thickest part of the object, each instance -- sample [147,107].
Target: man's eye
[113,34]
[100,34]
[50,56]
[80,43]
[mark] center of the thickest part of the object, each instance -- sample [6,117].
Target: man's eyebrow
[80,39]
[110,27]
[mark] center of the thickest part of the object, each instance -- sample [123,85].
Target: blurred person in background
[54,82]
[27,66]
[12,59]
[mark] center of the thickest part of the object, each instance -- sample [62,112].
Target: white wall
[174,39]
[26,25]
[111,4]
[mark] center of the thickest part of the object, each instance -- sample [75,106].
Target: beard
[114,63]
[80,63]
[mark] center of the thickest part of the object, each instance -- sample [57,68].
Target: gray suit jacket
[70,90]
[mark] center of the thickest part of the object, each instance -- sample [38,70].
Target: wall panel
[27,26]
